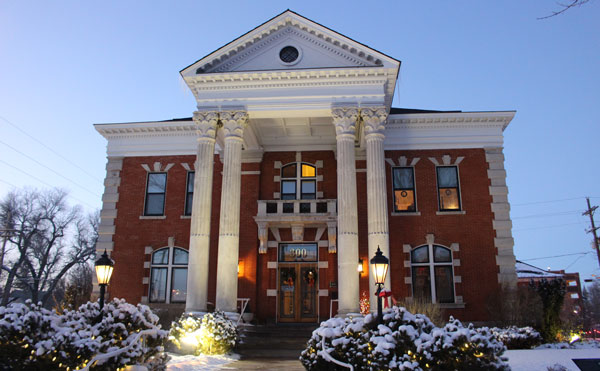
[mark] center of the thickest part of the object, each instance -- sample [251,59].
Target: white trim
[170,267]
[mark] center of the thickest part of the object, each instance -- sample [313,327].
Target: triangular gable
[318,47]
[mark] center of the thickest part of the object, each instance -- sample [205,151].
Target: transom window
[189,193]
[432,279]
[404,189]
[168,272]
[156,188]
[298,181]
[448,189]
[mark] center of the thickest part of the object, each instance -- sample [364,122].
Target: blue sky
[65,65]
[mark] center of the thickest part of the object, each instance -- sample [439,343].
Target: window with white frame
[298,181]
[156,188]
[448,188]
[404,189]
[189,193]
[432,273]
[168,275]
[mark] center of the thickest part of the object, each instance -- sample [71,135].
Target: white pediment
[318,48]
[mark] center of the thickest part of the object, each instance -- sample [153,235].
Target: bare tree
[565,7]
[49,238]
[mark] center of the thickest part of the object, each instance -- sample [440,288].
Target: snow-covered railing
[326,356]
[103,357]
[243,306]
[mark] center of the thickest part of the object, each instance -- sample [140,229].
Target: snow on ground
[541,359]
[199,363]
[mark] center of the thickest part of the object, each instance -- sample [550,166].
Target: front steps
[282,341]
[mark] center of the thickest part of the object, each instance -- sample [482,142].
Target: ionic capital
[344,119]
[234,123]
[374,119]
[206,124]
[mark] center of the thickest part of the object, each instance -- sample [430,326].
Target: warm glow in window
[298,182]
[308,171]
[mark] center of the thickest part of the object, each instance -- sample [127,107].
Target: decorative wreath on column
[310,276]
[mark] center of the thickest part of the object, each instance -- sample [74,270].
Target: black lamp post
[104,269]
[380,267]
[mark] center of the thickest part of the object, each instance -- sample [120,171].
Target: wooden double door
[298,292]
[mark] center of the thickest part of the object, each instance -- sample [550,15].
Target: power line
[42,181]
[557,256]
[547,202]
[547,214]
[55,172]
[50,149]
[546,227]
[574,261]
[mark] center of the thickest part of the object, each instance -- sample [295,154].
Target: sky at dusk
[65,65]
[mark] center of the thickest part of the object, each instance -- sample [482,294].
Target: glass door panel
[287,292]
[308,292]
[298,292]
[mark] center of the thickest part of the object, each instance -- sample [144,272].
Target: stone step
[274,341]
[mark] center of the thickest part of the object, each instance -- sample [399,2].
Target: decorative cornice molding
[452,120]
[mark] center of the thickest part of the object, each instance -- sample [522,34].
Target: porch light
[104,269]
[380,267]
[360,267]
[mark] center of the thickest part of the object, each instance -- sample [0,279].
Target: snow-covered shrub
[214,333]
[404,341]
[517,337]
[34,338]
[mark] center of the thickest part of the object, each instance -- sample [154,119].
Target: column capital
[374,119]
[234,122]
[344,119]
[206,124]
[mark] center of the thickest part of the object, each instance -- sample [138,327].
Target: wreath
[287,275]
[310,275]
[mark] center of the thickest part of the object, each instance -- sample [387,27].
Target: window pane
[298,252]
[309,189]
[190,182]
[289,171]
[308,171]
[420,255]
[444,287]
[441,254]
[421,282]
[160,256]
[189,202]
[288,188]
[180,256]
[404,200]
[449,199]
[158,284]
[447,177]
[179,285]
[154,204]
[157,182]
[403,177]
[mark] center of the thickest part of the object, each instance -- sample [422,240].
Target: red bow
[385,294]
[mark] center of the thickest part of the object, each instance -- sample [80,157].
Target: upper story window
[189,193]
[404,189]
[156,188]
[168,272]
[298,181]
[432,279]
[448,188]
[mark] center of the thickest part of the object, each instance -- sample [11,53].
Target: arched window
[168,272]
[432,279]
[298,181]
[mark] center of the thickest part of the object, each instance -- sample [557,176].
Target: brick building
[291,173]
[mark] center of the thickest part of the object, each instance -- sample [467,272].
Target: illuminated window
[572,283]
[298,182]
[168,270]
[156,188]
[574,295]
[432,279]
[189,193]
[404,189]
[448,190]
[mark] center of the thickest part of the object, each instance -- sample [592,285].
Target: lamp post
[104,269]
[380,267]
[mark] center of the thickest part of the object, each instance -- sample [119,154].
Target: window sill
[457,212]
[452,305]
[411,213]
[142,217]
[185,217]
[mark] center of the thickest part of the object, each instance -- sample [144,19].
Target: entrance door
[298,292]
[298,283]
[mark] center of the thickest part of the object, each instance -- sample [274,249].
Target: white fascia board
[446,130]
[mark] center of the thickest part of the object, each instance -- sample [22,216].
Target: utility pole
[590,211]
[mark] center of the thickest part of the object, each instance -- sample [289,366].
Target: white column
[377,212]
[234,123]
[197,280]
[344,120]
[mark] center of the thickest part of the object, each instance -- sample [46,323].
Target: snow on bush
[212,333]
[35,338]
[404,341]
[518,337]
